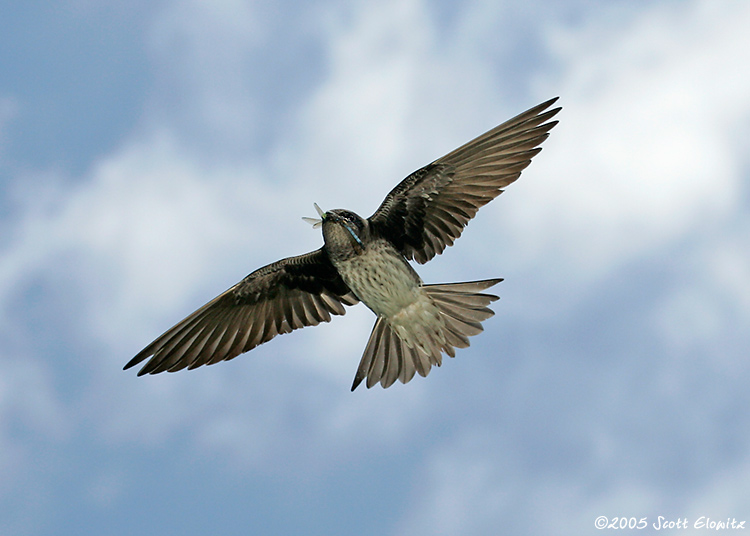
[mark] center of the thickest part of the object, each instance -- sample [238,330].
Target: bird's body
[385,282]
[367,260]
[381,278]
[375,271]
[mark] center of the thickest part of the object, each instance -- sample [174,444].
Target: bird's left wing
[427,211]
[281,297]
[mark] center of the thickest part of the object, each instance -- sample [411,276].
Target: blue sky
[154,153]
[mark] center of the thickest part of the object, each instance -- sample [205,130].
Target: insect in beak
[316,222]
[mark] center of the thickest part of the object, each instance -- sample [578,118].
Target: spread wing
[428,210]
[281,297]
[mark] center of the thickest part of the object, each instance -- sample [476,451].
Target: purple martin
[367,260]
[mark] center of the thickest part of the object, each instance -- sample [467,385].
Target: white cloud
[388,106]
[477,485]
[155,221]
[643,153]
[203,52]
[710,300]
[642,159]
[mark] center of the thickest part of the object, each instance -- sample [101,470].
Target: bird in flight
[367,260]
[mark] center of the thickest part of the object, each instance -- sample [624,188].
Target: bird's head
[342,229]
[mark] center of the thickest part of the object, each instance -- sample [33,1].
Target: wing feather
[427,211]
[281,297]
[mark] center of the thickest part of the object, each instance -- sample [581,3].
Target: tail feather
[461,308]
[468,287]
[404,359]
[462,313]
[395,363]
[456,339]
[379,342]
[463,327]
[462,299]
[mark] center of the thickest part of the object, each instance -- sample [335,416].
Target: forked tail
[461,309]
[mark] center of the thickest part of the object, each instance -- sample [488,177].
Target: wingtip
[355,384]
[550,113]
[133,362]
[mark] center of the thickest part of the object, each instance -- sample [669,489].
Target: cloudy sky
[154,153]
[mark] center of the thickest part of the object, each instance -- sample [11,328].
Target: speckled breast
[381,278]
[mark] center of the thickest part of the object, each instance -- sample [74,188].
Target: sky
[154,153]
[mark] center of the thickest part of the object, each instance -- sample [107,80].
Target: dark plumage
[366,260]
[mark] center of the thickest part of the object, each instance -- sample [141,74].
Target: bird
[368,261]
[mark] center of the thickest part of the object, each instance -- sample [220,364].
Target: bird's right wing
[281,297]
[428,210]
